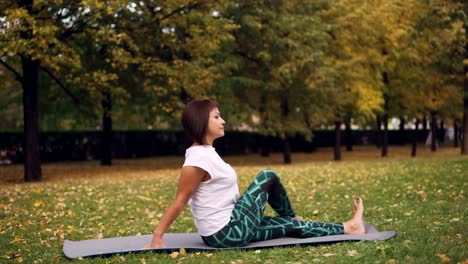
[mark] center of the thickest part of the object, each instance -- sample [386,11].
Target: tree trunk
[464,147]
[455,134]
[32,159]
[265,140]
[424,124]
[348,134]
[433,132]
[286,151]
[415,139]
[284,115]
[30,85]
[337,148]
[106,147]
[386,82]
[402,137]
[385,136]
[441,132]
[378,136]
[402,124]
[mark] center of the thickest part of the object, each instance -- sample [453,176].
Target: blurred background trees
[279,68]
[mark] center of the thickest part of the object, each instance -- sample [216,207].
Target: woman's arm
[190,178]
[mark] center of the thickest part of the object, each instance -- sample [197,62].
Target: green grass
[422,198]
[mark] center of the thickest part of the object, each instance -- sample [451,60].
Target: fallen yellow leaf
[443,258]
[182,251]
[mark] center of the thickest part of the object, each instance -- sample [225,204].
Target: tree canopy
[279,67]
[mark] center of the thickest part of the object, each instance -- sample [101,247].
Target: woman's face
[215,127]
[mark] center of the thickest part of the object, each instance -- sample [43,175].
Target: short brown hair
[195,119]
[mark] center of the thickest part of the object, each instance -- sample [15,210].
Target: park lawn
[422,198]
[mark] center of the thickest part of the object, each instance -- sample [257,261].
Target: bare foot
[299,218]
[356,224]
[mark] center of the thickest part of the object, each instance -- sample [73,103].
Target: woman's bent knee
[269,173]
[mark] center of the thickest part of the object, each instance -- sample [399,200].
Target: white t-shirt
[212,202]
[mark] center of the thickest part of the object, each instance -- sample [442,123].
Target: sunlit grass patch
[423,199]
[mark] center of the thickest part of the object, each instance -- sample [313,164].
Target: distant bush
[85,145]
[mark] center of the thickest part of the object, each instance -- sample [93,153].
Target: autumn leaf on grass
[174,254]
[328,254]
[351,253]
[443,258]
[38,204]
[409,213]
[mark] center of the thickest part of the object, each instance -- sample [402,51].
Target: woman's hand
[189,180]
[157,242]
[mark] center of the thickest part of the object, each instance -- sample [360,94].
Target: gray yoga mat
[192,242]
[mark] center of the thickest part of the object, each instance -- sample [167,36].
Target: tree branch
[177,10]
[157,20]
[18,76]
[79,104]
[76,101]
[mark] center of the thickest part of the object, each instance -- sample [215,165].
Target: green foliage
[278,47]
[417,44]
[281,67]
[10,104]
[139,52]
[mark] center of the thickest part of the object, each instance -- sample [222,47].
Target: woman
[223,218]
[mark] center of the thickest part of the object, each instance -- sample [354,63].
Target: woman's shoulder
[199,149]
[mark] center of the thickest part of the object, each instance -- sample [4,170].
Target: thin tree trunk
[30,85]
[403,137]
[424,124]
[386,82]
[32,159]
[284,114]
[385,136]
[460,135]
[106,150]
[415,139]
[378,136]
[441,132]
[265,144]
[348,134]
[337,148]
[456,142]
[464,147]
[433,132]
[286,151]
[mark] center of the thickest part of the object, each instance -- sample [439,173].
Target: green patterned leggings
[248,224]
